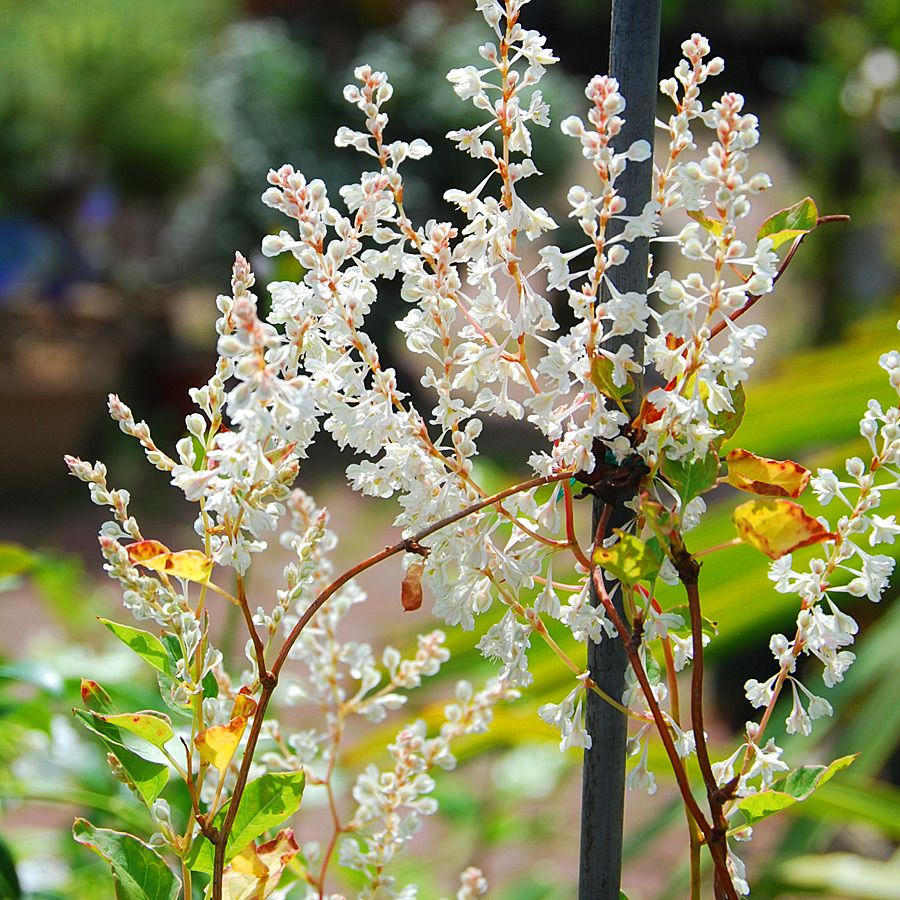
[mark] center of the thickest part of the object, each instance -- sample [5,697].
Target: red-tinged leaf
[790,223]
[96,699]
[218,743]
[777,527]
[769,477]
[192,565]
[411,589]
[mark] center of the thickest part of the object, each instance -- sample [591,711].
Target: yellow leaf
[244,704]
[255,872]
[218,743]
[769,477]
[192,565]
[777,527]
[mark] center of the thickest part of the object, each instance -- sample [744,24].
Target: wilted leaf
[140,873]
[244,704]
[629,559]
[787,224]
[192,565]
[267,802]
[411,588]
[769,477]
[218,743]
[777,527]
[255,872]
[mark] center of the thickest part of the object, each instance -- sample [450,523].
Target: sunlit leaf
[794,788]
[218,743]
[787,224]
[713,226]
[267,802]
[728,420]
[140,873]
[769,477]
[602,379]
[147,646]
[153,727]
[777,526]
[629,560]
[244,704]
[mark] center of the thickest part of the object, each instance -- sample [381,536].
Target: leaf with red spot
[777,527]
[769,477]
[153,727]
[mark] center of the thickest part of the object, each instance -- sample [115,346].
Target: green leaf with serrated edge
[147,646]
[602,379]
[140,873]
[629,560]
[96,699]
[787,224]
[149,776]
[794,788]
[150,726]
[729,420]
[693,477]
[267,802]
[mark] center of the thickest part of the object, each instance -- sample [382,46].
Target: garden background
[134,143]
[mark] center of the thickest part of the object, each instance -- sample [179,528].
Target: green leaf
[140,873]
[9,880]
[602,379]
[210,686]
[794,788]
[147,646]
[729,420]
[790,223]
[153,727]
[149,776]
[166,686]
[629,559]
[691,477]
[267,802]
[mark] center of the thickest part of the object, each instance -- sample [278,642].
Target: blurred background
[135,138]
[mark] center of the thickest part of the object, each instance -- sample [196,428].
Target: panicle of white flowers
[391,803]
[823,630]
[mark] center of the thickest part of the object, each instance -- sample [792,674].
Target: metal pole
[633,61]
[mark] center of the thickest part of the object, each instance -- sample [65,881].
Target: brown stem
[270,678]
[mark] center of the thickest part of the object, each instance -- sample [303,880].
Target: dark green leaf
[602,378]
[690,478]
[9,880]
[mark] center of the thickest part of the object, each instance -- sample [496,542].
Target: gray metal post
[633,60]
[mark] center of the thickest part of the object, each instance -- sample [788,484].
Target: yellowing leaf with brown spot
[255,872]
[777,527]
[769,477]
[192,565]
[218,743]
